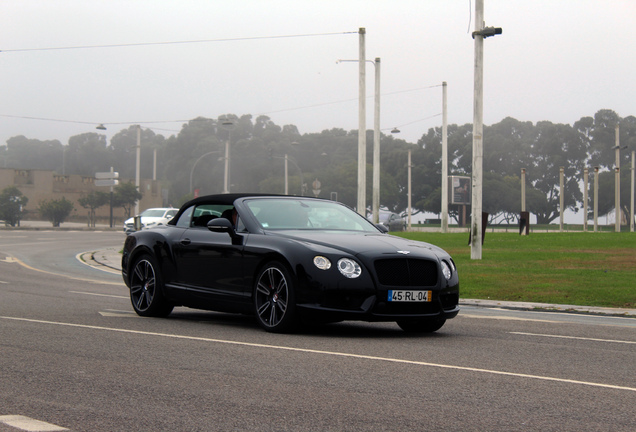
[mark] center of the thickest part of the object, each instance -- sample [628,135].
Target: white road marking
[66,276]
[118,314]
[29,424]
[573,337]
[329,353]
[99,295]
[508,318]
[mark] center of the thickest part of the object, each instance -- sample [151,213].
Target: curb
[111,259]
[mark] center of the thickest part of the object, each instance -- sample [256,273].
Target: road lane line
[509,318]
[23,264]
[99,295]
[29,424]
[573,337]
[328,353]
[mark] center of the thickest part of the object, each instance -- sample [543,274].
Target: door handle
[186,241]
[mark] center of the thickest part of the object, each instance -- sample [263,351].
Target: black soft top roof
[227,198]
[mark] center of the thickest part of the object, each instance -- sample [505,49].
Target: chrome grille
[406,272]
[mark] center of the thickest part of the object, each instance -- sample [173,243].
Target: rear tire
[146,289]
[421,325]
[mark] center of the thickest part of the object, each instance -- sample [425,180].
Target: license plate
[410,296]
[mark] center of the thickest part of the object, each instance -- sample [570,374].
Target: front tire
[421,325]
[274,301]
[146,289]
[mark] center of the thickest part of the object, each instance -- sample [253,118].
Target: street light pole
[376,146]
[286,176]
[631,201]
[444,160]
[595,199]
[362,128]
[138,166]
[375,205]
[478,116]
[617,183]
[481,32]
[585,188]
[194,166]
[561,193]
[409,190]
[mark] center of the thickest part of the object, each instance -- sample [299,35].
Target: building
[40,185]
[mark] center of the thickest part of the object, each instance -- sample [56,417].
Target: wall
[38,185]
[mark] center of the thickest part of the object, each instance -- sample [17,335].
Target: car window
[206,212]
[184,219]
[171,213]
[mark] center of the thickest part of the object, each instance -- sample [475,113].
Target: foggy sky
[557,60]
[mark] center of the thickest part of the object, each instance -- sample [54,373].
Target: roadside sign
[106,175]
[107,182]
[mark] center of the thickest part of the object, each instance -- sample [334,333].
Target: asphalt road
[75,356]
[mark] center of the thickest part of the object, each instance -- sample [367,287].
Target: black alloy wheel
[146,289]
[274,299]
[421,325]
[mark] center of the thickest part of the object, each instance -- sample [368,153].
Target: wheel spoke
[272,316]
[262,310]
[271,297]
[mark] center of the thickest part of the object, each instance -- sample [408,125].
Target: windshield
[307,214]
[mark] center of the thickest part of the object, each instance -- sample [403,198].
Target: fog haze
[556,60]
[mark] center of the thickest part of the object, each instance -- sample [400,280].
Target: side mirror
[222,225]
[382,228]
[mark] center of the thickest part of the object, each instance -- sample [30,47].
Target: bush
[56,211]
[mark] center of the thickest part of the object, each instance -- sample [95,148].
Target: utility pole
[631,201]
[444,160]
[585,187]
[362,128]
[595,199]
[561,194]
[138,167]
[481,32]
[376,146]
[617,183]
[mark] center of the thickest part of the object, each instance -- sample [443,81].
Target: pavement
[109,260]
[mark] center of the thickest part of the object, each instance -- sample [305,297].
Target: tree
[93,201]
[56,211]
[87,154]
[126,196]
[12,203]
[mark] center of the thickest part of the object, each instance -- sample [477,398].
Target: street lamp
[375,205]
[227,122]
[195,164]
[409,166]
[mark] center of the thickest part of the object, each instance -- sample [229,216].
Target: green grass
[577,268]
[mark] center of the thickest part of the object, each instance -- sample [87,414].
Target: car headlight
[446,270]
[322,263]
[349,268]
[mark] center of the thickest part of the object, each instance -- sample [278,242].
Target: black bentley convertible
[286,260]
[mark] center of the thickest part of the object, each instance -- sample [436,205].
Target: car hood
[366,244]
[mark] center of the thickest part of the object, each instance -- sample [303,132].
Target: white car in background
[151,218]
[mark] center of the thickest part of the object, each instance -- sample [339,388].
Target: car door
[208,264]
